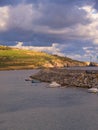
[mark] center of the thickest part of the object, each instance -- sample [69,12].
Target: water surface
[27,106]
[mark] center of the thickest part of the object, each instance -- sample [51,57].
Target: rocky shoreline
[68,77]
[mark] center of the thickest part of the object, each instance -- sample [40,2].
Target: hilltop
[13,58]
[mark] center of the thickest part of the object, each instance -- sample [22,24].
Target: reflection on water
[27,106]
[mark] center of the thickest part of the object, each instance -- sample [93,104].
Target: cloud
[9,2]
[71,24]
[40,18]
[92,28]
[21,17]
[4,16]
[61,20]
[96,4]
[69,50]
[55,48]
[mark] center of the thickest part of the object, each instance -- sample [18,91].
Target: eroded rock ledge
[69,78]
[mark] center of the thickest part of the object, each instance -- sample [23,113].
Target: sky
[62,27]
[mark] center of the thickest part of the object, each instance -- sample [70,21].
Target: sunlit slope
[27,59]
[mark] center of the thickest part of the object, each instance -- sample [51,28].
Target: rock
[54,84]
[65,77]
[93,64]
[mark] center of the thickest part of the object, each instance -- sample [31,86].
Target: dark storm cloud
[96,4]
[15,2]
[57,2]
[60,16]
[9,2]
[35,39]
[69,23]
[48,14]
[78,2]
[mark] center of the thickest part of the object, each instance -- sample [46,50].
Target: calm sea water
[27,106]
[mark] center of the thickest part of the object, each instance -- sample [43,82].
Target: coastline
[69,77]
[17,68]
[83,77]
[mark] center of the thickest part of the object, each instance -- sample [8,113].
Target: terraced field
[26,59]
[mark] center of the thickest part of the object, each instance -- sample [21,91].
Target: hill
[26,59]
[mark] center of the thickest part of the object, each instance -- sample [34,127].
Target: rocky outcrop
[60,64]
[69,78]
[93,64]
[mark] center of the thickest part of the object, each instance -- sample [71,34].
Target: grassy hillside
[25,59]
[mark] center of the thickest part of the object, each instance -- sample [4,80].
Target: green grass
[25,59]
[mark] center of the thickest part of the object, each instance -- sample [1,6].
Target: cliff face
[63,62]
[68,78]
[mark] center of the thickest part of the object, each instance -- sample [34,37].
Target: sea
[34,106]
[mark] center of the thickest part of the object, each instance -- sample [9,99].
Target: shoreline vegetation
[16,59]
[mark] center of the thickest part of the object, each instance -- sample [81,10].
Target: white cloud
[22,16]
[90,30]
[55,48]
[75,56]
[91,53]
[48,21]
[4,16]
[29,17]
[35,18]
